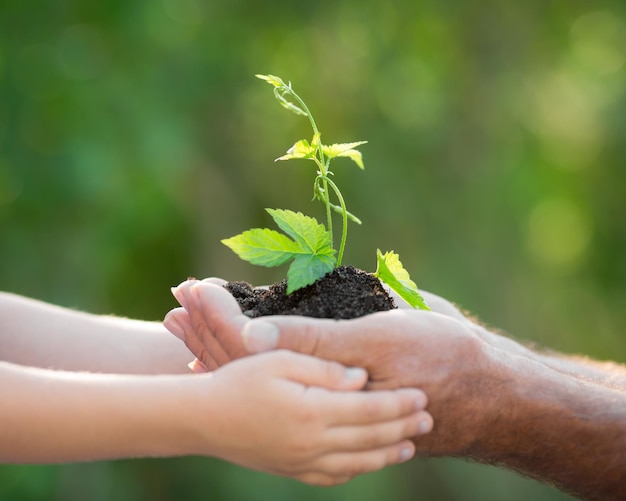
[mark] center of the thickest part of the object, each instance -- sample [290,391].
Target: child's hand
[298,416]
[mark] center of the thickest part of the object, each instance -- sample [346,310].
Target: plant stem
[322,166]
[329,218]
[344,230]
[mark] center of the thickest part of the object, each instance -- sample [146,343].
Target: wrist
[547,422]
[464,398]
[180,422]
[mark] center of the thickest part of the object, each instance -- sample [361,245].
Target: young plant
[307,243]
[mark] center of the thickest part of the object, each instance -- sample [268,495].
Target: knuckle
[303,446]
[372,408]
[372,437]
[334,371]
[371,463]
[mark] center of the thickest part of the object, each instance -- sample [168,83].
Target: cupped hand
[400,348]
[193,326]
[294,415]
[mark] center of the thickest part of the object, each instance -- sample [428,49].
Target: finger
[197,366]
[363,408]
[201,331]
[295,333]
[172,324]
[311,371]
[362,438]
[221,315]
[344,341]
[322,479]
[350,464]
[215,281]
[177,321]
[178,291]
[440,305]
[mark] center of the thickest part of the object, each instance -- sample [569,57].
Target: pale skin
[82,387]
[558,419]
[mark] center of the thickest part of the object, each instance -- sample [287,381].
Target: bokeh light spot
[565,113]
[559,234]
[599,42]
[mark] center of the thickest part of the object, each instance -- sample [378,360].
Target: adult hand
[399,348]
[492,399]
[189,324]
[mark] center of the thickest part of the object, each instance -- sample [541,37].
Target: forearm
[609,374]
[42,335]
[557,428]
[53,416]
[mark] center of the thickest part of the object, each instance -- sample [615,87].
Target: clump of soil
[346,292]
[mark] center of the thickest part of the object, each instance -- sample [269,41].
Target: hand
[189,324]
[400,348]
[294,415]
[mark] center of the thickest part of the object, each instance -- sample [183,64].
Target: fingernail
[177,292]
[406,454]
[424,425]
[197,366]
[354,373]
[259,336]
[421,401]
[172,325]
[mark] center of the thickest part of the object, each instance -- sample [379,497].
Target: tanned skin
[559,420]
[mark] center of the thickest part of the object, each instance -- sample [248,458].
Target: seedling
[306,242]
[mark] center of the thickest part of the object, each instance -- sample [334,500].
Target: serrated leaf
[345,150]
[272,79]
[311,247]
[391,272]
[301,149]
[263,247]
[310,235]
[306,269]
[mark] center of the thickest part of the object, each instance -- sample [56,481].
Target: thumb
[323,338]
[311,371]
[259,336]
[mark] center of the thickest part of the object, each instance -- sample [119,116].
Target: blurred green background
[134,137]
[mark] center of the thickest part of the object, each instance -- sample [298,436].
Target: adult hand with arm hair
[557,419]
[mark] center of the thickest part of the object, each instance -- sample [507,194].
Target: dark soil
[346,292]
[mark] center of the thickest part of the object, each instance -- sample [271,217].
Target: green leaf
[310,235]
[302,149]
[272,79]
[306,269]
[345,150]
[262,247]
[391,272]
[280,90]
[311,247]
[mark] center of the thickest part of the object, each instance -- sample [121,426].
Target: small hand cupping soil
[346,292]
